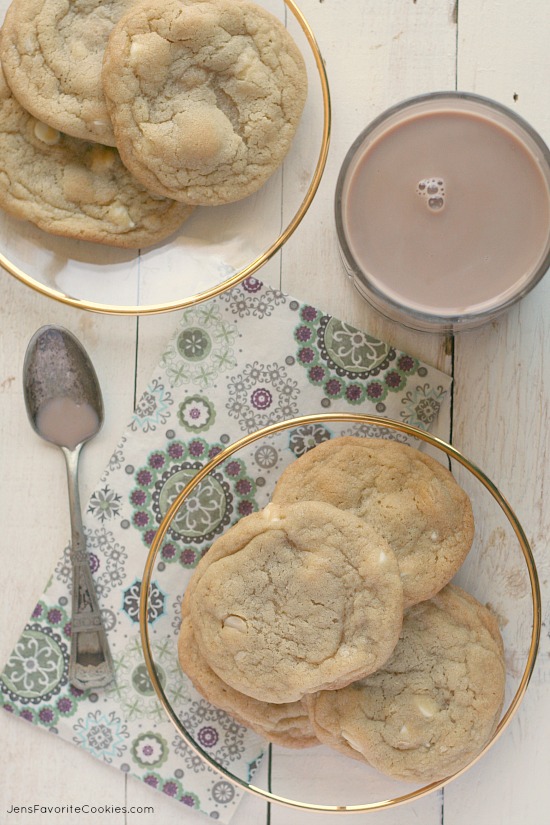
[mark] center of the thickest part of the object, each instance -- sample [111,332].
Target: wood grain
[376,52]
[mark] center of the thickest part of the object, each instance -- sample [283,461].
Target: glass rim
[432,321]
[251,268]
[359,418]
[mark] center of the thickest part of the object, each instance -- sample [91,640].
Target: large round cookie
[294,599]
[431,709]
[283,724]
[52,53]
[74,188]
[409,497]
[204,97]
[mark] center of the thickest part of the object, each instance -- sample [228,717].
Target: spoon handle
[90,662]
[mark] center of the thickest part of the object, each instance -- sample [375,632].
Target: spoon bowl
[65,407]
[61,388]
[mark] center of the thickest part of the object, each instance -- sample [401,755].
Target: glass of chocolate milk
[443,211]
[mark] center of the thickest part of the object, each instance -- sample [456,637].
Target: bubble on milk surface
[432,190]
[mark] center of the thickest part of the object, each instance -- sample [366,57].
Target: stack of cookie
[328,616]
[117,118]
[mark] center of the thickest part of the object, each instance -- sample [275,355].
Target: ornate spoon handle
[90,662]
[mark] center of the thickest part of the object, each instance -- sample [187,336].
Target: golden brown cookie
[74,188]
[204,97]
[407,496]
[294,599]
[52,53]
[434,705]
[283,724]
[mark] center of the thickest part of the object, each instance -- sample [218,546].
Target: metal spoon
[65,407]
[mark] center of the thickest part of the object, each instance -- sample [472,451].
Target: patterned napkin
[250,357]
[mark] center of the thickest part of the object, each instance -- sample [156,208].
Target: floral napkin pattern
[250,357]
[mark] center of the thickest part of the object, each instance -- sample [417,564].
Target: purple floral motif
[156,461]
[66,706]
[138,498]
[355,394]
[261,398]
[309,313]
[149,749]
[252,285]
[252,404]
[203,719]
[144,477]
[176,450]
[208,737]
[46,716]
[254,298]
[196,413]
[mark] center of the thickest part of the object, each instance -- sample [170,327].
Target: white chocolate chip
[426,705]
[46,134]
[102,158]
[137,50]
[351,741]
[120,216]
[272,514]
[236,622]
[100,124]
[434,536]
[383,557]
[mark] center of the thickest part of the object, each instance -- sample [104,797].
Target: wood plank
[501,407]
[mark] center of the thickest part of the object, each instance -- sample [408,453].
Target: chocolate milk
[447,212]
[65,423]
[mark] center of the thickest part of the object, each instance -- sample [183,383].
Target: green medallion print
[194,344]
[202,512]
[352,349]
[141,681]
[35,667]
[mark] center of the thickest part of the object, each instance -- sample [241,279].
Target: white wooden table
[377,52]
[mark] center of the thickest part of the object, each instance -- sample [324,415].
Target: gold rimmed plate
[215,249]
[499,571]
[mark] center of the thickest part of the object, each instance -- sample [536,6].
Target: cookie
[52,53]
[74,188]
[435,704]
[204,97]
[295,599]
[407,496]
[282,724]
